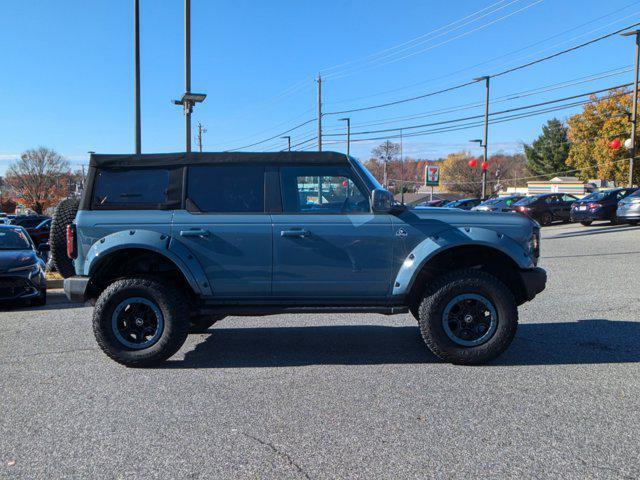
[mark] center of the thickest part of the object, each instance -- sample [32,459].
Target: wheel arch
[431,260]
[135,252]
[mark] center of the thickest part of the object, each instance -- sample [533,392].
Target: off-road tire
[174,309]
[64,215]
[202,323]
[460,282]
[586,224]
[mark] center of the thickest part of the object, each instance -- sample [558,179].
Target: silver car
[629,209]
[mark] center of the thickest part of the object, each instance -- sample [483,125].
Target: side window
[568,198]
[135,188]
[322,190]
[226,188]
[623,193]
[550,200]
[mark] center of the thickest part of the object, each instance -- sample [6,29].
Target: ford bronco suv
[170,243]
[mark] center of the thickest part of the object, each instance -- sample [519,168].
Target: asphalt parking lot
[342,396]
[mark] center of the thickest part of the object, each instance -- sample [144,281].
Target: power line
[513,69]
[271,138]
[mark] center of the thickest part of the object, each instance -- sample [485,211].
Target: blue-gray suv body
[170,243]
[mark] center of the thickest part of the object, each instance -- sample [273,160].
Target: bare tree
[40,178]
[386,153]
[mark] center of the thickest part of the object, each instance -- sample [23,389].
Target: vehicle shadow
[596,230]
[55,301]
[582,342]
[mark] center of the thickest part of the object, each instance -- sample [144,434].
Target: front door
[225,227]
[326,243]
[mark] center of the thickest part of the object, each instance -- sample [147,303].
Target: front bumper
[534,281]
[75,288]
[18,287]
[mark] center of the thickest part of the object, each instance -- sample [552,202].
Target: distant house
[572,185]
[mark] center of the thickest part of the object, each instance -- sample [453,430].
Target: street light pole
[348,120]
[288,142]
[486,133]
[319,113]
[187,71]
[188,99]
[136,74]
[634,112]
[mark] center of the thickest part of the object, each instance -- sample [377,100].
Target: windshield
[595,196]
[370,177]
[14,239]
[493,201]
[528,200]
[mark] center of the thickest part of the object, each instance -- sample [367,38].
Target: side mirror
[381,201]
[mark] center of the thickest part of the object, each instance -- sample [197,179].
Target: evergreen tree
[547,155]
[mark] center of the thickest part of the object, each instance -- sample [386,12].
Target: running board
[260,310]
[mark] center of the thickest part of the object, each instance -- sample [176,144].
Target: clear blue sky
[67,69]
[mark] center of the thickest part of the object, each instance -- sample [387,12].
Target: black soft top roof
[182,158]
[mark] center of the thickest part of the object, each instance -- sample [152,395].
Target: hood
[17,258]
[518,227]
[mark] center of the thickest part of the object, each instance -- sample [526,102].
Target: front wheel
[140,322]
[546,219]
[586,224]
[468,317]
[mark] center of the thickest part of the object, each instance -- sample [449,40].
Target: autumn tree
[591,132]
[40,178]
[504,171]
[382,156]
[548,153]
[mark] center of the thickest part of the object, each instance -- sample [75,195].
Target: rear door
[225,226]
[327,244]
[566,201]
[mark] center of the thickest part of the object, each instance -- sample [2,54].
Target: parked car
[22,277]
[39,233]
[29,221]
[162,252]
[600,205]
[431,203]
[498,204]
[546,208]
[628,210]
[463,204]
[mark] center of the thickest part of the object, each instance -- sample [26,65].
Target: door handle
[295,233]
[197,232]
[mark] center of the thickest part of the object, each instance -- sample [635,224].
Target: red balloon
[615,144]
[344,184]
[473,163]
[485,165]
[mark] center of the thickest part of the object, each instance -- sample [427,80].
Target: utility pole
[486,133]
[319,113]
[189,99]
[634,112]
[348,120]
[136,73]
[288,137]
[201,130]
[401,170]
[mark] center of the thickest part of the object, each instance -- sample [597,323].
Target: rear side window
[134,188]
[226,189]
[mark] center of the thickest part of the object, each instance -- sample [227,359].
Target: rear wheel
[140,322]
[64,215]
[633,222]
[586,224]
[468,317]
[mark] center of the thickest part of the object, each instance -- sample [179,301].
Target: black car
[29,221]
[22,278]
[547,207]
[498,204]
[463,203]
[599,206]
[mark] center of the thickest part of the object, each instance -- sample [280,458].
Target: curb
[55,283]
